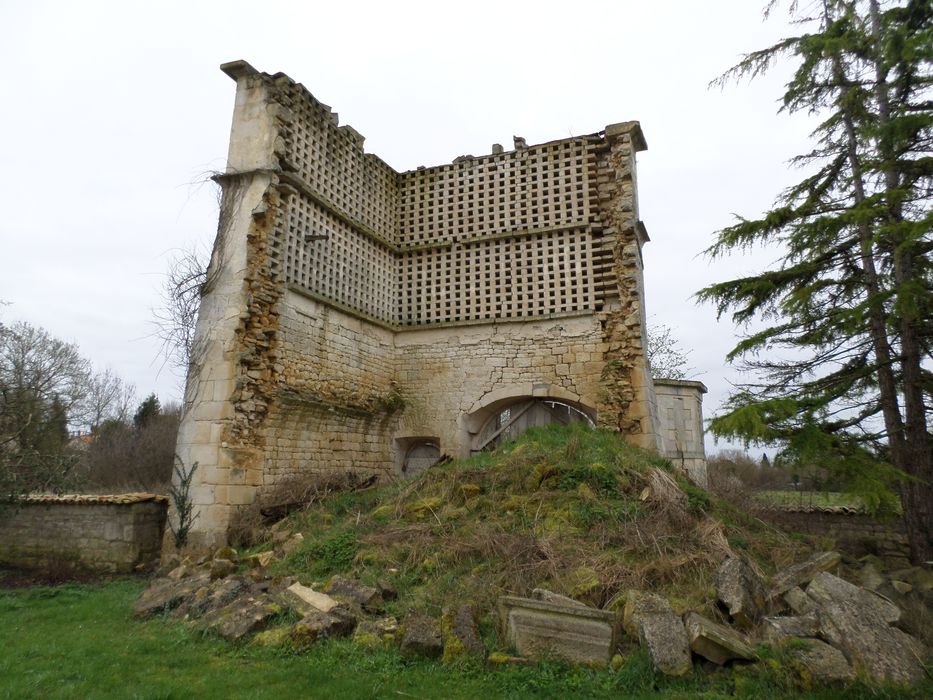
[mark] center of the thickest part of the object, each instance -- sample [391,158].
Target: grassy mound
[571,509]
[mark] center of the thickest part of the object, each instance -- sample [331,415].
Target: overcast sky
[115,113]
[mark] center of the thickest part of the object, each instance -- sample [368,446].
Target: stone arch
[506,417]
[417,454]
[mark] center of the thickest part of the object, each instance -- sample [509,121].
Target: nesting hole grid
[507,236]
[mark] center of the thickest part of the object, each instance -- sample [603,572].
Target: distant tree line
[65,426]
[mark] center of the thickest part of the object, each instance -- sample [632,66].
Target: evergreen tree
[53,436]
[852,296]
[147,411]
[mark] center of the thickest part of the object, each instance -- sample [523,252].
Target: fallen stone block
[421,637]
[741,591]
[273,638]
[339,622]
[665,638]
[901,587]
[557,598]
[777,629]
[165,594]
[858,626]
[538,629]
[169,563]
[716,642]
[260,560]
[870,578]
[242,617]
[228,553]
[918,577]
[220,568]
[798,601]
[650,618]
[290,545]
[370,599]
[802,573]
[639,603]
[387,590]
[305,599]
[821,662]
[461,634]
[376,632]
[181,571]
[825,588]
[218,594]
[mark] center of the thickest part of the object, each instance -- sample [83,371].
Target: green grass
[79,641]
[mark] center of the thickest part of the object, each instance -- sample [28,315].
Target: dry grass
[250,525]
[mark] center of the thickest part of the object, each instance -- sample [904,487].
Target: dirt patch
[12,578]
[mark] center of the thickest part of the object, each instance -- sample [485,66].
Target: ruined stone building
[359,318]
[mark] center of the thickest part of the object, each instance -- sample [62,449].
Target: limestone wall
[111,534]
[336,397]
[452,379]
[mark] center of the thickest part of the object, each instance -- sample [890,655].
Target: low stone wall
[110,534]
[854,532]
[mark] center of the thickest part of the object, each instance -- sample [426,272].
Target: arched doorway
[511,419]
[419,456]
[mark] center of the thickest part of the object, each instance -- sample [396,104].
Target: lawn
[79,641]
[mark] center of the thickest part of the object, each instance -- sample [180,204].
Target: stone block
[539,629]
[461,634]
[821,662]
[421,636]
[556,598]
[777,629]
[798,601]
[716,642]
[306,599]
[857,622]
[802,573]
[741,591]
[826,588]
[651,618]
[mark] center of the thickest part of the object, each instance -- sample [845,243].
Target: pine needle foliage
[843,331]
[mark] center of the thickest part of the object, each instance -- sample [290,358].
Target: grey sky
[114,112]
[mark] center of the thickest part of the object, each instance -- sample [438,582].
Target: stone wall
[336,396]
[453,379]
[109,534]
[854,532]
[352,311]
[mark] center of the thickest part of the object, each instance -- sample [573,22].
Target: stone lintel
[238,69]
[633,128]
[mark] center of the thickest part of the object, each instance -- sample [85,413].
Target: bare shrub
[125,457]
[727,466]
[250,524]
